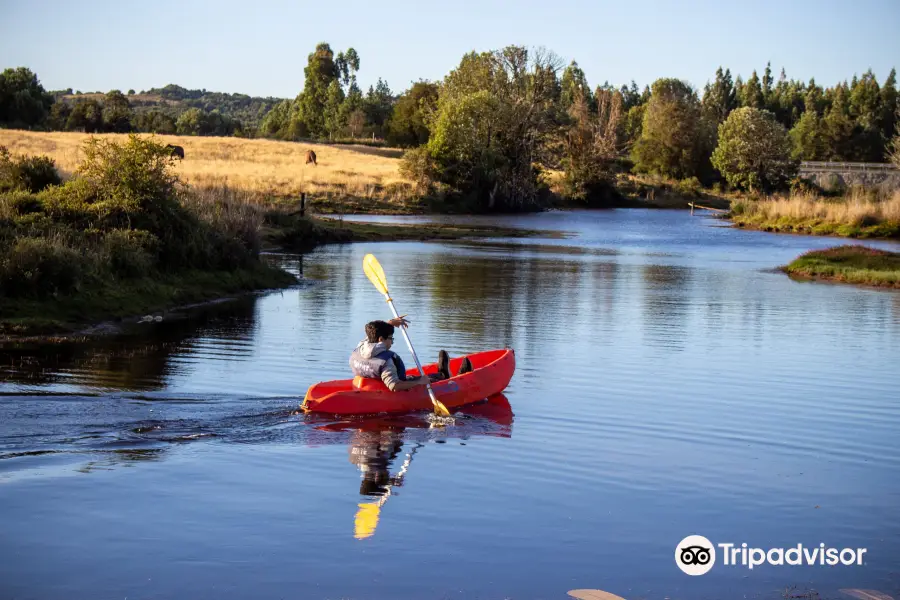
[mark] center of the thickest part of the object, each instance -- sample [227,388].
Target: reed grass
[860,213]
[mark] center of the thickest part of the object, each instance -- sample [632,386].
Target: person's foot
[466,366]
[444,364]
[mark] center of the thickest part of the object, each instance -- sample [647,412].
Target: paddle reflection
[377,443]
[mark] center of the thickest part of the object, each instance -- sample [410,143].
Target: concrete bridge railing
[833,175]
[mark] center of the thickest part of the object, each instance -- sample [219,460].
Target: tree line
[493,128]
[24,103]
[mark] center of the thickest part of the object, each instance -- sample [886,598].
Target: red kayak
[491,372]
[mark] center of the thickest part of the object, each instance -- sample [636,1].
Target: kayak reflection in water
[374,359]
[376,443]
[374,452]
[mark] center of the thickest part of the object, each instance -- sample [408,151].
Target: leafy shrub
[689,187]
[29,173]
[39,267]
[130,253]
[418,166]
[19,203]
[123,215]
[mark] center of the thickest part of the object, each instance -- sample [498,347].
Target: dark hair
[378,329]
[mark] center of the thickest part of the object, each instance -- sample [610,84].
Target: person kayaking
[374,359]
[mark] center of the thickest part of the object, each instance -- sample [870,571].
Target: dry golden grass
[857,208]
[358,176]
[860,213]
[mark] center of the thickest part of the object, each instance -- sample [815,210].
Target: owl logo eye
[695,555]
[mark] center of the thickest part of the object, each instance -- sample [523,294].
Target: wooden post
[691,204]
[302,204]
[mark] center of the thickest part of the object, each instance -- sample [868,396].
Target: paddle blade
[375,273]
[366,519]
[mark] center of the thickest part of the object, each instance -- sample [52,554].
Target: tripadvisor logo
[696,555]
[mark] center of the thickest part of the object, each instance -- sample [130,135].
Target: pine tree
[332,116]
[719,97]
[574,85]
[888,105]
[767,85]
[838,126]
[808,139]
[752,93]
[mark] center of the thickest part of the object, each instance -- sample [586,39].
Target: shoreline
[55,320]
[834,230]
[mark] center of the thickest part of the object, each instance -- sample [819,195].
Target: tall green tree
[894,150]
[767,85]
[754,151]
[670,142]
[839,127]
[631,96]
[23,100]
[889,105]
[275,122]
[808,138]
[86,116]
[320,72]
[191,122]
[719,97]
[409,120]
[116,112]
[379,103]
[333,117]
[574,85]
[593,143]
[496,112]
[752,93]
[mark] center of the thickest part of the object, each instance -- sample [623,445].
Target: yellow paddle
[376,275]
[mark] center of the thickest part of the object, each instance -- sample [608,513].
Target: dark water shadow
[139,360]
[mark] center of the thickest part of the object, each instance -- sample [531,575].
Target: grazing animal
[175,151]
[311,157]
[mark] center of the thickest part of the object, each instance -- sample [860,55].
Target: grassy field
[347,179]
[849,264]
[859,214]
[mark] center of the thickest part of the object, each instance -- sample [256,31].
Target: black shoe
[444,364]
[466,366]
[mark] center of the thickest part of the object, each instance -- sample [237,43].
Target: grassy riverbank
[124,237]
[859,214]
[849,264]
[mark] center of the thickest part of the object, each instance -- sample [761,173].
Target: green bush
[130,253]
[21,203]
[418,166]
[29,173]
[690,187]
[123,215]
[40,267]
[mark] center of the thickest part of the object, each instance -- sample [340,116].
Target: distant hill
[174,100]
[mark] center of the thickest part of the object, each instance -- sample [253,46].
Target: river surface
[669,382]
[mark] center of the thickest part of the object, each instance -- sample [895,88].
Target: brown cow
[175,151]
[311,157]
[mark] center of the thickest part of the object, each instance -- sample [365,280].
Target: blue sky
[260,48]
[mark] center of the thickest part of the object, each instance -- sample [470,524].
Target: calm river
[668,383]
